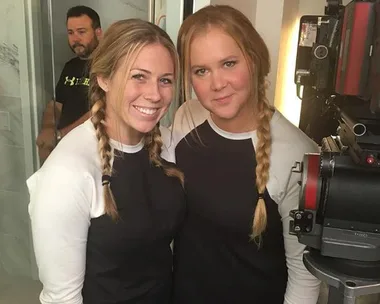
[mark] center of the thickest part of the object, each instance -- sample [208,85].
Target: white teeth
[148,111]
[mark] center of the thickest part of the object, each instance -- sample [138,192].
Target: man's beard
[86,50]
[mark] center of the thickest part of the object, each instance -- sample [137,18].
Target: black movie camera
[338,79]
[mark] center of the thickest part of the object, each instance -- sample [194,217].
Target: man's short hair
[81,10]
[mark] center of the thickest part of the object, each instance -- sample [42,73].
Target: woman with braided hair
[105,205]
[236,152]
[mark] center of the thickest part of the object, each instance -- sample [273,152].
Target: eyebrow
[149,72]
[232,57]
[77,29]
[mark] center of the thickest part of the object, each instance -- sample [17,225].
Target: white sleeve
[60,202]
[302,287]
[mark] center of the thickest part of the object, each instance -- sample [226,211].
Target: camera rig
[338,218]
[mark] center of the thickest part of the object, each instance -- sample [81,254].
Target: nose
[153,92]
[75,37]
[217,81]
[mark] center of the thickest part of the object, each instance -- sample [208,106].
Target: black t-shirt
[130,262]
[72,90]
[215,261]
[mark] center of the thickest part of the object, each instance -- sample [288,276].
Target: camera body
[338,59]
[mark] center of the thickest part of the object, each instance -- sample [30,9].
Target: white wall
[174,17]
[246,7]
[198,4]
[285,98]
[269,25]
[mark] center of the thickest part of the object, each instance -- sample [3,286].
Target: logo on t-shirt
[76,81]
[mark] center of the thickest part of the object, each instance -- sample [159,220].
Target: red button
[370,160]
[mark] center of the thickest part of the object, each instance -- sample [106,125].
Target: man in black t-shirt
[71,103]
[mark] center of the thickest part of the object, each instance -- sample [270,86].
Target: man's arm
[76,123]
[46,138]
[49,119]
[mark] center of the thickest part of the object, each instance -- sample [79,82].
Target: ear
[103,83]
[99,32]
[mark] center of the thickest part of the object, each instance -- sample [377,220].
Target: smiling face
[147,94]
[221,79]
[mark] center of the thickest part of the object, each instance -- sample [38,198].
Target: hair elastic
[106,179]
[261,195]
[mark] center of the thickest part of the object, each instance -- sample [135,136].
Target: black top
[131,261]
[215,261]
[72,90]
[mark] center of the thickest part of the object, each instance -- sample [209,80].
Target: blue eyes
[227,64]
[200,72]
[141,77]
[166,81]
[138,76]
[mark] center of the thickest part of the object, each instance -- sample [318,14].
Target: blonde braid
[106,154]
[263,151]
[153,143]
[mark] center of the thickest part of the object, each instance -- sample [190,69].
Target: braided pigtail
[106,154]
[263,151]
[153,143]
